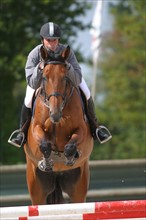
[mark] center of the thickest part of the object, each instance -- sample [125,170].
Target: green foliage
[20,23]
[122,82]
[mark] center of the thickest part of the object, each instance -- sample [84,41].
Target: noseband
[64,96]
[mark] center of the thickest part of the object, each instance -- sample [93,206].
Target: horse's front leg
[46,164]
[70,150]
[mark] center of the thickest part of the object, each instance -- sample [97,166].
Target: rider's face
[51,43]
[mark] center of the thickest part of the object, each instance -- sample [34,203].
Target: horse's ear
[66,52]
[44,53]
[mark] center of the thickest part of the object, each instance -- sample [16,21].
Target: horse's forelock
[53,70]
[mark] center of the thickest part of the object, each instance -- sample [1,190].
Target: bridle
[65,97]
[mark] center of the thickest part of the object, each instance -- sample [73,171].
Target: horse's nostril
[55,117]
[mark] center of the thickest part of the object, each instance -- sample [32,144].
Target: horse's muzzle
[55,117]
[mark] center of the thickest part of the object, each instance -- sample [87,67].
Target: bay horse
[59,142]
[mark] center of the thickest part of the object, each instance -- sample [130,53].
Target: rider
[50,34]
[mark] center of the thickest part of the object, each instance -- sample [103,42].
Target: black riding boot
[25,117]
[98,132]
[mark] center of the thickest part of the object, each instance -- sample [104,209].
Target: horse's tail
[56,196]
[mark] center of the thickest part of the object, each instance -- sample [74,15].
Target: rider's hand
[68,65]
[41,65]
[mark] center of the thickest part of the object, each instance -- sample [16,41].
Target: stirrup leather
[106,131]
[10,140]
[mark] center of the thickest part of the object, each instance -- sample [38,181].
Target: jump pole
[97,210]
[68,217]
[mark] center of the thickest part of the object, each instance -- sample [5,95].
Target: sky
[86,43]
[86,35]
[84,38]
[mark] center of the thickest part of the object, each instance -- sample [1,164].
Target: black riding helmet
[50,30]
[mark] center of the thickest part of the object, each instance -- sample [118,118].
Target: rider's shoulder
[35,50]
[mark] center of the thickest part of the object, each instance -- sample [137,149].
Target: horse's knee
[71,154]
[45,148]
[70,149]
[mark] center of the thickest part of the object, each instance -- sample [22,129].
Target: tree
[122,82]
[20,22]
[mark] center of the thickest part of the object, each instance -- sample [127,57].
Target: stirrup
[106,131]
[10,140]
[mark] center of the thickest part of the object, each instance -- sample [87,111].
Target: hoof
[45,168]
[71,154]
[71,160]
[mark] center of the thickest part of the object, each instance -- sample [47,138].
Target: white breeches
[30,92]
[28,96]
[83,86]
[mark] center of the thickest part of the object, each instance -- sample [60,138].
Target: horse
[59,141]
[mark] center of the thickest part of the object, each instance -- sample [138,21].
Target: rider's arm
[32,71]
[74,70]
